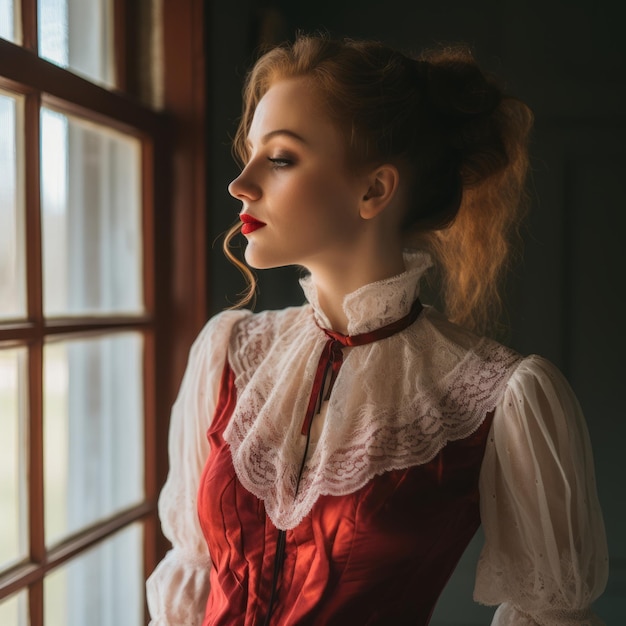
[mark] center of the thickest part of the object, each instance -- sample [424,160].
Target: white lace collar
[376,304]
[395,403]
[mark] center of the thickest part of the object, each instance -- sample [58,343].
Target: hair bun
[466,105]
[455,87]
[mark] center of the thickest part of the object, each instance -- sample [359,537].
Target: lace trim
[509,615]
[376,304]
[433,391]
[535,594]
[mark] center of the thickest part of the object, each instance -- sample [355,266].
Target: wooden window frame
[174,241]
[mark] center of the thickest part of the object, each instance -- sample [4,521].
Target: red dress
[380,555]
[424,432]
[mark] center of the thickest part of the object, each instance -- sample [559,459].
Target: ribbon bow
[331,359]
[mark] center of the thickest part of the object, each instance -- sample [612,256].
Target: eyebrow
[283,131]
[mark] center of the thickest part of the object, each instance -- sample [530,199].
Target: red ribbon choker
[331,358]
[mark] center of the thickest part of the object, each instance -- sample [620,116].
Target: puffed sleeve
[178,588]
[545,555]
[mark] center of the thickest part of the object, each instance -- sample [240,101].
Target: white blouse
[545,556]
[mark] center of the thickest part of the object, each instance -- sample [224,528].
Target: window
[8,17]
[79,317]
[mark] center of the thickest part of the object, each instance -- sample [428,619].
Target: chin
[261,262]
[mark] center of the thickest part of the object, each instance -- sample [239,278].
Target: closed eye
[279,162]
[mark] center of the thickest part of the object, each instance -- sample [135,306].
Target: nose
[244,188]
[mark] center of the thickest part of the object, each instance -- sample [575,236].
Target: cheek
[322,195]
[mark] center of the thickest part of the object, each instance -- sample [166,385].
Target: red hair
[451,129]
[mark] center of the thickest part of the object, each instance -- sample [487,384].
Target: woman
[331,462]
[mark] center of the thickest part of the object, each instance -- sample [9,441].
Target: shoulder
[218,329]
[537,370]
[538,386]
[459,345]
[209,348]
[454,350]
[225,320]
[524,371]
[267,326]
[268,336]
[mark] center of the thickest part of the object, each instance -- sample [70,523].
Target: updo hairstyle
[449,128]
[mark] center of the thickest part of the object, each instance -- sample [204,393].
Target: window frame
[173,222]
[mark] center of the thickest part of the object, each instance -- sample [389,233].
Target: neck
[333,283]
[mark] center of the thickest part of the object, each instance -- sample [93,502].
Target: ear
[382,184]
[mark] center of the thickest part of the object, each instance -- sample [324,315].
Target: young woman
[331,462]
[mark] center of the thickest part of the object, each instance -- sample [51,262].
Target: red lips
[250,224]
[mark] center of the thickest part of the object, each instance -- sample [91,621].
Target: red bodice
[380,555]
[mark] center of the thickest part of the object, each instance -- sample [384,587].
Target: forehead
[294,104]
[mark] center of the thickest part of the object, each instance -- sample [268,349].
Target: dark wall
[568,61]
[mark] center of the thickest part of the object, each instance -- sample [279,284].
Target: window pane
[14,610]
[103,587]
[12,275]
[13,488]
[8,20]
[78,34]
[93,430]
[90,180]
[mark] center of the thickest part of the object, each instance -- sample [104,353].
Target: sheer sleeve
[178,588]
[545,555]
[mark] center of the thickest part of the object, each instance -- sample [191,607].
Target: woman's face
[300,199]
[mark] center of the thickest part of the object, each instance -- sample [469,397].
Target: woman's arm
[545,556]
[178,588]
